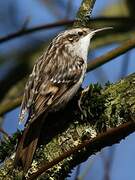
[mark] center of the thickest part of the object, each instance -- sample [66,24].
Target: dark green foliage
[92,103]
[8,146]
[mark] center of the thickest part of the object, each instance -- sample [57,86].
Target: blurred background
[18,52]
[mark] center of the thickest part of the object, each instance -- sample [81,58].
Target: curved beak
[101,29]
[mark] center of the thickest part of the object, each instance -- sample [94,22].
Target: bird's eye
[70,39]
[80,33]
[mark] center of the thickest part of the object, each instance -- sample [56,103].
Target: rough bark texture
[84,13]
[102,109]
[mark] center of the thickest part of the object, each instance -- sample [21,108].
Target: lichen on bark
[102,109]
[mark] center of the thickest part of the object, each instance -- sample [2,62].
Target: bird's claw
[80,99]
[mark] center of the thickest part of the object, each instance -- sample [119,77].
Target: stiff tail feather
[27,145]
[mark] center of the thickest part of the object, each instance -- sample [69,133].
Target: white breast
[80,48]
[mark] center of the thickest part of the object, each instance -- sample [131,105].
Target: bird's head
[77,40]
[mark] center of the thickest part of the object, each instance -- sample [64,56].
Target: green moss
[92,104]
[83,15]
[120,100]
[8,146]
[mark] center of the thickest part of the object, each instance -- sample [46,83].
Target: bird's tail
[27,145]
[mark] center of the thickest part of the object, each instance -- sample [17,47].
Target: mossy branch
[69,137]
[84,13]
[82,134]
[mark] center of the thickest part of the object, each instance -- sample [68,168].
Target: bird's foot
[80,99]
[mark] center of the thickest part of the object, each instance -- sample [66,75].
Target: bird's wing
[51,78]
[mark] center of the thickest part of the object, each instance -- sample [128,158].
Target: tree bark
[72,135]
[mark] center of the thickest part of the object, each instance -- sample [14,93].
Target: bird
[56,77]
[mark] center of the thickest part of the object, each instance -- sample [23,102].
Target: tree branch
[23,31]
[10,105]
[115,134]
[107,117]
[84,13]
[126,46]
[118,22]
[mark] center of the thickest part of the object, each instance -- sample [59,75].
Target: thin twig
[126,46]
[8,106]
[31,30]
[100,20]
